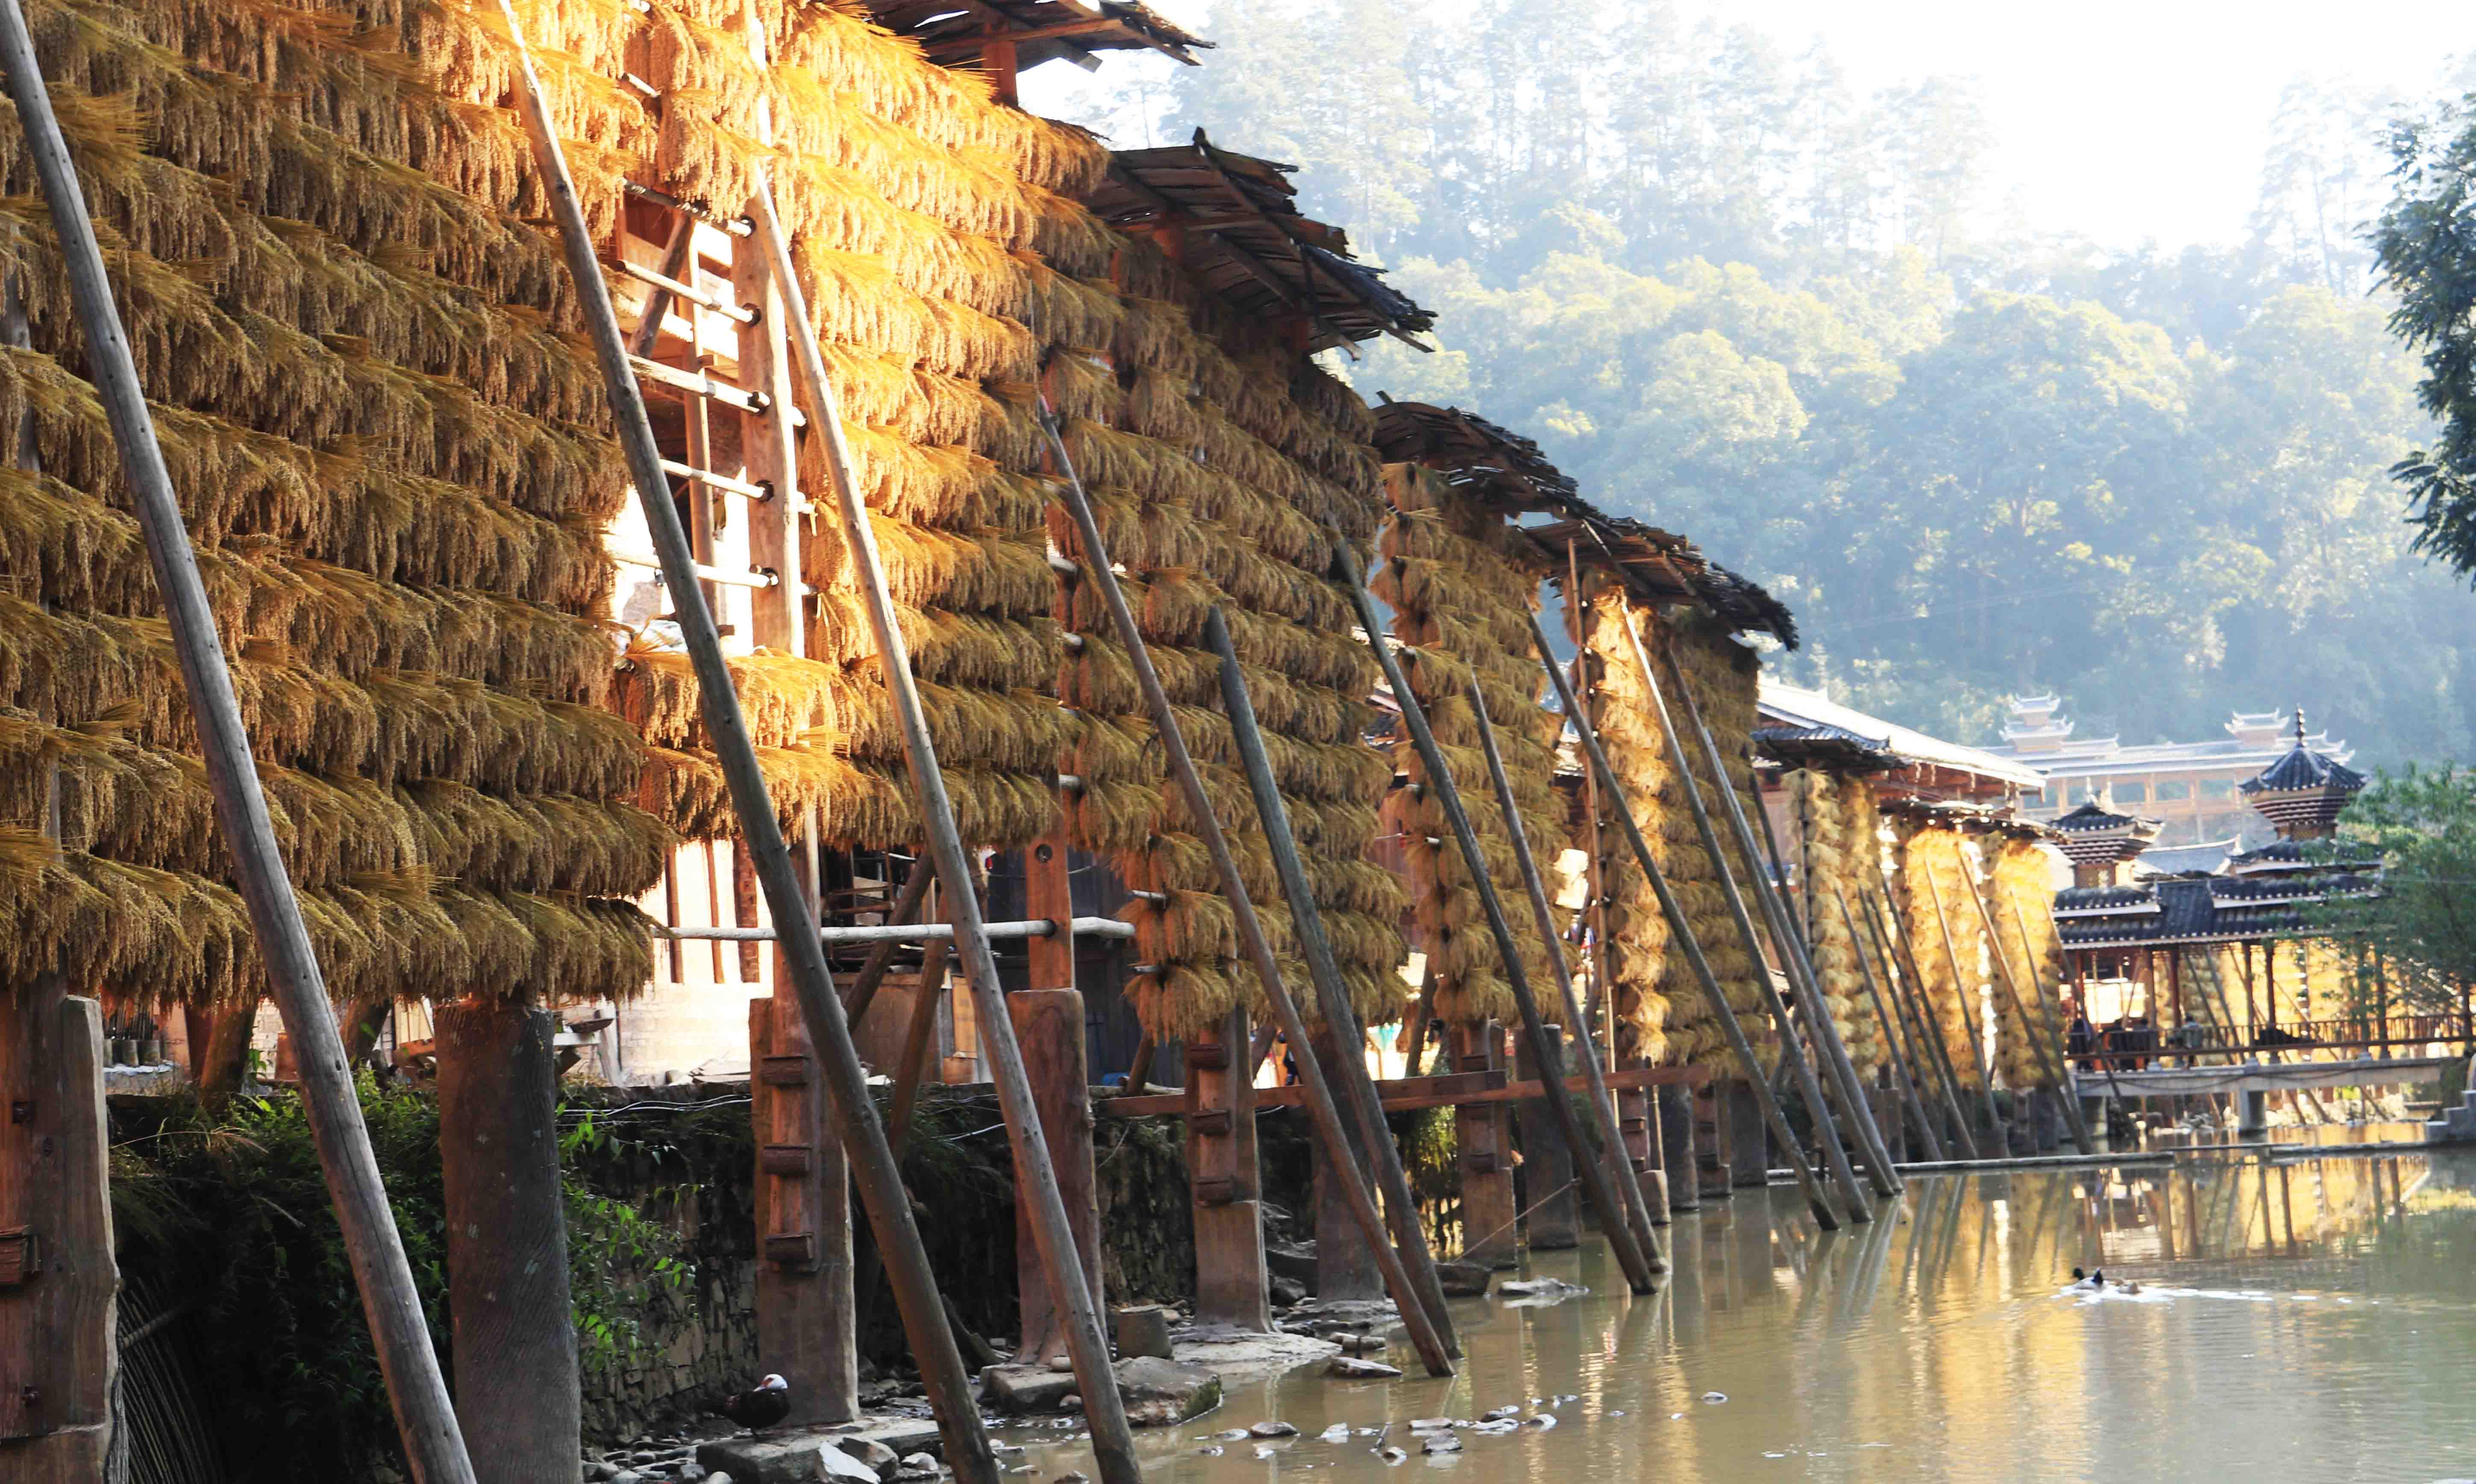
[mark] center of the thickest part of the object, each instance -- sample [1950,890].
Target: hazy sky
[2119,119]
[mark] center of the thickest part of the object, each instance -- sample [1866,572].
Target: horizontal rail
[1454,1089]
[736,226]
[706,574]
[721,481]
[738,313]
[913,932]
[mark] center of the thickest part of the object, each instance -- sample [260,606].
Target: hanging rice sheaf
[1637,932]
[1461,585]
[392,454]
[1724,676]
[1223,467]
[2021,893]
[1837,852]
[1952,968]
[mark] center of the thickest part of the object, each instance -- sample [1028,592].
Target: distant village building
[2193,790]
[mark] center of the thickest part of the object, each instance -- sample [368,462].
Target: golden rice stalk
[1948,974]
[2021,894]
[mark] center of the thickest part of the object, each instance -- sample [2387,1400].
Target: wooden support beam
[1484,1152]
[1404,1095]
[1346,1261]
[804,1331]
[1676,1146]
[1231,1280]
[1553,1221]
[58,1280]
[1894,1035]
[1050,1024]
[1916,1016]
[516,1384]
[2049,1058]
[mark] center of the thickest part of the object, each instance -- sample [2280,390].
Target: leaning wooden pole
[1621,1171]
[425,1414]
[1829,1050]
[2048,1056]
[881,958]
[1895,1035]
[1052,1230]
[1642,1269]
[1910,997]
[2081,1137]
[1373,1132]
[890,1209]
[1835,1157]
[1681,933]
[1984,1058]
[1339,1017]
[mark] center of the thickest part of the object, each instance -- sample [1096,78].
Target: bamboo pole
[917,1034]
[1835,1158]
[1365,1107]
[1983,1060]
[425,1414]
[1895,1035]
[2048,1056]
[1682,932]
[1113,1446]
[854,1111]
[1332,995]
[2055,1027]
[1620,1173]
[1790,947]
[1914,1019]
[1641,1270]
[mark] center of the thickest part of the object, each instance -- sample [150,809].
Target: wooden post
[1050,1024]
[1909,995]
[1835,1158]
[1968,1017]
[517,1383]
[1682,931]
[424,1414]
[1676,1148]
[1483,1153]
[1346,1263]
[1231,1278]
[1553,1222]
[805,1331]
[58,1280]
[2051,1044]
[1894,1035]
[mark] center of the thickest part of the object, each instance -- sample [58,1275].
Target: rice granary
[420,298]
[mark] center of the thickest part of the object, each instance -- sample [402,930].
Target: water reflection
[2300,1318]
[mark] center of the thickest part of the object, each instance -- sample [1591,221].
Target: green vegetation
[2427,242]
[2422,924]
[1739,300]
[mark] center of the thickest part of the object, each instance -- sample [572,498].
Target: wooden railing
[2293,1040]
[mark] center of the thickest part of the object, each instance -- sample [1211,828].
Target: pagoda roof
[2304,768]
[2198,909]
[2089,819]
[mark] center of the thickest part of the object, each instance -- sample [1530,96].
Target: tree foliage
[2427,246]
[1744,301]
[2421,926]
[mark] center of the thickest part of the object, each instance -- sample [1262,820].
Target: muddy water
[2299,1319]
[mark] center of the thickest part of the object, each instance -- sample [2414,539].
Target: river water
[2299,1319]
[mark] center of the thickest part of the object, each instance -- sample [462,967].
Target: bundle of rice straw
[1724,676]
[1462,586]
[2020,884]
[1836,858]
[393,457]
[1636,938]
[1957,998]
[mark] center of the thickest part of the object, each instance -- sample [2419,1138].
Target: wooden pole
[881,958]
[1642,1269]
[1977,1037]
[424,1414]
[2047,1008]
[1917,1018]
[1050,1024]
[1112,1442]
[1682,932]
[1835,1158]
[1341,1161]
[1620,1172]
[1791,948]
[516,1384]
[918,1033]
[1896,1034]
[898,1239]
[1417,1264]
[2048,1057]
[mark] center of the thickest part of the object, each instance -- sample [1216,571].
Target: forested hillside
[1738,300]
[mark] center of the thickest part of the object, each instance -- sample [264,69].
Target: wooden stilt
[804,1277]
[2046,1011]
[1895,1038]
[1681,930]
[1621,1153]
[516,1384]
[1640,1271]
[1050,1024]
[1834,1157]
[424,1414]
[1676,1148]
[1231,1275]
[1552,1218]
[1483,1153]
[1345,1262]
[1374,1136]
[1969,1014]
[919,1033]
[58,1279]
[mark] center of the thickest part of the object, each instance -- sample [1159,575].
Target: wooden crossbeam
[1451,1090]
